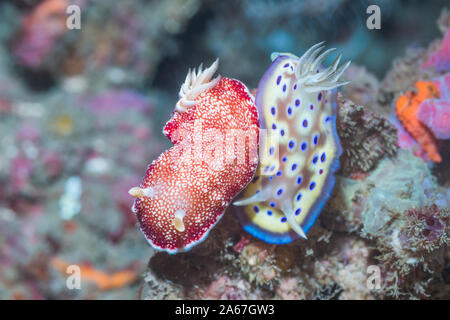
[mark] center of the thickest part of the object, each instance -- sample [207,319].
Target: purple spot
[284,159]
[311,107]
[279,192]
[282,132]
[283,220]
[273,205]
[299,197]
[297,102]
[274,126]
[319,97]
[299,180]
[312,185]
[278,80]
[315,159]
[295,86]
[284,87]
[305,123]
[289,110]
[272,110]
[316,139]
[269,213]
[291,144]
[322,157]
[256,209]
[286,65]
[279,173]
[297,212]
[294,166]
[304,146]
[271,150]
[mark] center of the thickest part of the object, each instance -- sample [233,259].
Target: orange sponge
[407,106]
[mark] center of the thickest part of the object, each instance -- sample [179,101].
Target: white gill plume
[313,80]
[195,83]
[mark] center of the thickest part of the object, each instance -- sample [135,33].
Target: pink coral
[405,141]
[440,59]
[40,31]
[435,113]
[21,169]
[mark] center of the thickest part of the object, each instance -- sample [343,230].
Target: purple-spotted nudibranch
[296,101]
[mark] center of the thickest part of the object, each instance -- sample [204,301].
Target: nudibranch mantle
[184,193]
[296,101]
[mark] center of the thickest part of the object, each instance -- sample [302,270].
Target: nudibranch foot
[296,100]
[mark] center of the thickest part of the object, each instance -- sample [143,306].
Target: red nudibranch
[215,132]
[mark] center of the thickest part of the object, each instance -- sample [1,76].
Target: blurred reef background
[81,114]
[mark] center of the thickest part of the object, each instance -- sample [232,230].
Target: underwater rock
[365,136]
[157,289]
[401,209]
[257,264]
[228,288]
[363,87]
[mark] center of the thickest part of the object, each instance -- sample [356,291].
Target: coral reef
[126,51]
[404,213]
[366,137]
[81,112]
[64,191]
[415,82]
[387,211]
[440,59]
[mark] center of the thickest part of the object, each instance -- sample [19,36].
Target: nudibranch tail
[187,189]
[195,83]
[296,100]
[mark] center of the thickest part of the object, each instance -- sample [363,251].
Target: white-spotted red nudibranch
[296,101]
[185,192]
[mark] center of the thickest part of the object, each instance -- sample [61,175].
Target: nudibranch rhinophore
[296,101]
[215,132]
